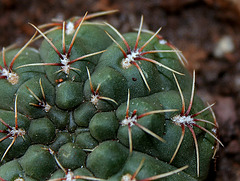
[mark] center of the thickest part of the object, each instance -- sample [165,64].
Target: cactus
[93,104]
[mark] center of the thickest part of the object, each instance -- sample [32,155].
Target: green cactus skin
[37,162]
[92,104]
[8,90]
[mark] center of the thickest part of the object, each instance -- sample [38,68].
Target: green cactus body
[9,86]
[93,104]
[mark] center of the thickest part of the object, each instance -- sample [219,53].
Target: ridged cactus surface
[94,104]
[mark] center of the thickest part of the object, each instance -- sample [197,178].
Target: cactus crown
[95,104]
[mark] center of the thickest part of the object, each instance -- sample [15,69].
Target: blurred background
[206,31]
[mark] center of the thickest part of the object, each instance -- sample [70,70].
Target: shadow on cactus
[66,112]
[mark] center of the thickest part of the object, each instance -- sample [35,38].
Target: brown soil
[196,27]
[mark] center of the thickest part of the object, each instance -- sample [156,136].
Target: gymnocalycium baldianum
[93,104]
